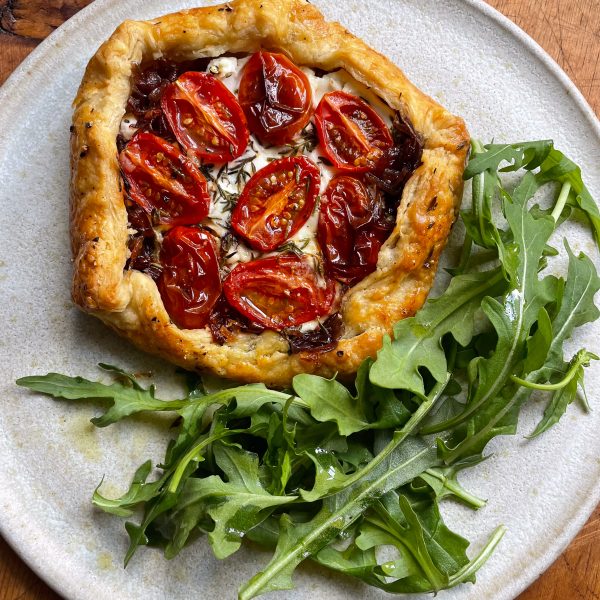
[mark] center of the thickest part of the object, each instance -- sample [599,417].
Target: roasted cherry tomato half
[163,181]
[352,134]
[279,291]
[205,117]
[276,202]
[276,97]
[353,225]
[189,283]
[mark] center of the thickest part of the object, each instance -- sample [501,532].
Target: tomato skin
[352,228]
[276,97]
[189,283]
[278,292]
[276,202]
[205,117]
[351,133]
[163,181]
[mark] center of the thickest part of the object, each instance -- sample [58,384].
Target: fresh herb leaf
[126,399]
[235,505]
[417,340]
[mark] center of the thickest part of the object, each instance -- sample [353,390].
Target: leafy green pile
[333,473]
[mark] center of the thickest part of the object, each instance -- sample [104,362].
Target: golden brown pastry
[129,301]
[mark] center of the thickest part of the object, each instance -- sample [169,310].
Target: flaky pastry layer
[129,301]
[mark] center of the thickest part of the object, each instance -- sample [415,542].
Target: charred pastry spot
[88,125]
[340,353]
[84,150]
[72,128]
[154,319]
[432,204]
[96,239]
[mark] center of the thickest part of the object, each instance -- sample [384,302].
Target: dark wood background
[569,30]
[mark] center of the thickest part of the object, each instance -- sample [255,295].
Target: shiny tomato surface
[353,225]
[276,202]
[205,117]
[351,133]
[189,283]
[163,181]
[276,97]
[279,291]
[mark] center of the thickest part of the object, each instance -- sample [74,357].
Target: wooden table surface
[569,30]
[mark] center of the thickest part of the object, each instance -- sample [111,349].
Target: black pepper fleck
[88,125]
[340,353]
[84,151]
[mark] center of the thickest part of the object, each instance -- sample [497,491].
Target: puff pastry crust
[129,301]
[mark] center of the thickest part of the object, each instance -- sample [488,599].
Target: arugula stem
[465,254]
[562,200]
[457,490]
[581,359]
[401,434]
[474,565]
[517,294]
[334,523]
[548,387]
[193,453]
[478,187]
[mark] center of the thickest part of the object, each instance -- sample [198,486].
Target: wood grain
[37,19]
[569,30]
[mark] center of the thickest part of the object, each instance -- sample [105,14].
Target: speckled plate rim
[16,536]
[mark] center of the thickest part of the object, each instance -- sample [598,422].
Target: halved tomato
[205,117]
[352,134]
[189,283]
[163,181]
[276,97]
[279,291]
[276,202]
[353,225]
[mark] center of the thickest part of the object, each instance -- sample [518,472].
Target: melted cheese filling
[225,182]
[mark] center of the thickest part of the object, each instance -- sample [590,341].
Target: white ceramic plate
[463,53]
